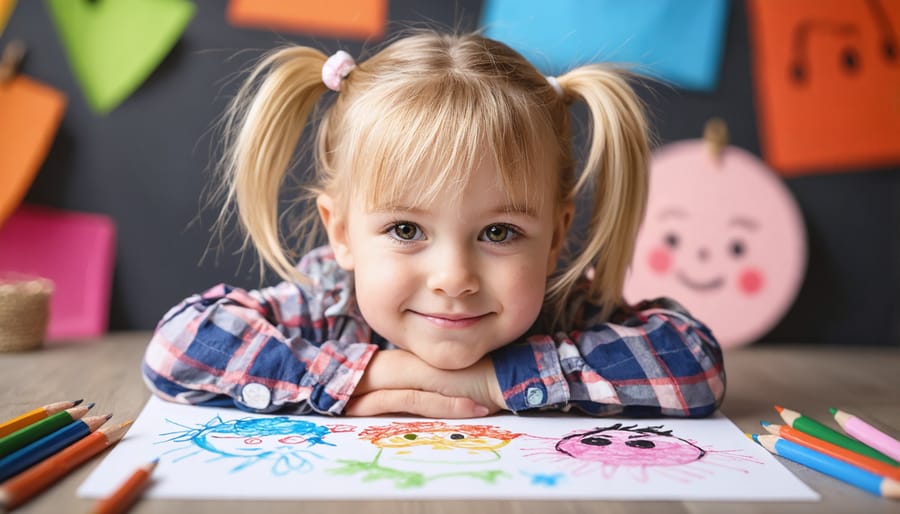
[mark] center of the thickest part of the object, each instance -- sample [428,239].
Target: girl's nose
[454,275]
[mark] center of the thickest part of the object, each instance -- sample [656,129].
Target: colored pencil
[35,479]
[812,427]
[128,492]
[44,427]
[866,433]
[31,454]
[877,485]
[832,450]
[23,420]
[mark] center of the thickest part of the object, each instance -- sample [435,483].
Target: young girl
[446,185]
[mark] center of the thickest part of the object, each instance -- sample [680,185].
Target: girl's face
[450,282]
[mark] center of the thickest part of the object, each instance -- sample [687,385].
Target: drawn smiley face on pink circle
[723,238]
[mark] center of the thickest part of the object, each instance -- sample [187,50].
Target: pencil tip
[779,408]
[155,461]
[91,405]
[764,423]
[128,423]
[77,402]
[832,410]
[108,416]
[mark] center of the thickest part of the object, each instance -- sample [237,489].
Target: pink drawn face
[725,240]
[629,446]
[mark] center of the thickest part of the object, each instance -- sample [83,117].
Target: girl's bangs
[427,141]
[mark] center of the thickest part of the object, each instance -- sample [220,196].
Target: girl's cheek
[660,260]
[750,281]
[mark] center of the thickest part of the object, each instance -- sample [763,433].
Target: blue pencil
[875,484]
[31,454]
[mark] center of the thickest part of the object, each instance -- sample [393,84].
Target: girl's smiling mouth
[458,320]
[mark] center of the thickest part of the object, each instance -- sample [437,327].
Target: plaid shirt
[303,349]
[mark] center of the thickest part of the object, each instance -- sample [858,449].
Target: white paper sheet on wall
[215,453]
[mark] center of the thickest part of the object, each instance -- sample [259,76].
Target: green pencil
[44,427]
[814,428]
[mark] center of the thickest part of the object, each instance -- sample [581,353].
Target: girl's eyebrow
[390,208]
[522,210]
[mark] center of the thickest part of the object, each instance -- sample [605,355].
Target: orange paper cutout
[6,8]
[358,19]
[827,78]
[31,116]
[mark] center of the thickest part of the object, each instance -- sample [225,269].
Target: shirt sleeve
[656,360]
[273,349]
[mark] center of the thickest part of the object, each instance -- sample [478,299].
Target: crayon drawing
[221,453]
[639,451]
[282,443]
[417,453]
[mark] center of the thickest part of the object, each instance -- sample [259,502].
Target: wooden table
[806,378]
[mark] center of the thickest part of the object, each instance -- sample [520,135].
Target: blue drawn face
[243,437]
[282,441]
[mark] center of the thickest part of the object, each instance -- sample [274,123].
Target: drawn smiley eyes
[737,247]
[455,436]
[642,444]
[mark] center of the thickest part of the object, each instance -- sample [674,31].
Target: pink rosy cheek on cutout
[660,261]
[751,281]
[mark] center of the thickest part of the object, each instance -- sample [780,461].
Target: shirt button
[256,396]
[534,396]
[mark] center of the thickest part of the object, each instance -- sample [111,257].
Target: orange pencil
[832,450]
[35,479]
[23,420]
[128,492]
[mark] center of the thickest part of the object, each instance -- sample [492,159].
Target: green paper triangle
[114,45]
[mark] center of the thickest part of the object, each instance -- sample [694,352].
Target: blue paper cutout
[676,41]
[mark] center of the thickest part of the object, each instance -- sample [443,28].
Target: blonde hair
[418,117]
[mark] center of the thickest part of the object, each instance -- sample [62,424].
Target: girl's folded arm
[657,361]
[260,351]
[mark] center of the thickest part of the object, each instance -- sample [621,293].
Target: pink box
[77,252]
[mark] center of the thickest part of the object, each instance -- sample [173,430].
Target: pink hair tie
[338,66]
[555,85]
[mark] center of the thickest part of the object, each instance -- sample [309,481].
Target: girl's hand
[396,381]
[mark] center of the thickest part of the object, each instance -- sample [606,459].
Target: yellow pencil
[33,416]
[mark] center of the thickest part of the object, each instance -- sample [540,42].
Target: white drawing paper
[221,453]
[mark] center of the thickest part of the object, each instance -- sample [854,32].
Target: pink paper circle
[725,239]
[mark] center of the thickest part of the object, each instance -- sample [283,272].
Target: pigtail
[262,128]
[617,167]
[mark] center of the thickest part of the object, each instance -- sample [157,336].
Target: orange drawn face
[827,78]
[726,241]
[437,442]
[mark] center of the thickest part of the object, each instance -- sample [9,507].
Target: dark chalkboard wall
[146,163]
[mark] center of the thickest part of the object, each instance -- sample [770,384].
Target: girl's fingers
[411,401]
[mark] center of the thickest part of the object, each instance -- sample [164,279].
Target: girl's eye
[499,233]
[406,231]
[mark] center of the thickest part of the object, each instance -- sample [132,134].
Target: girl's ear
[336,227]
[563,221]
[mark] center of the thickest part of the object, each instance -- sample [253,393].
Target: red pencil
[128,492]
[22,487]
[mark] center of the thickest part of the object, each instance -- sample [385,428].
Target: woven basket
[24,312]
